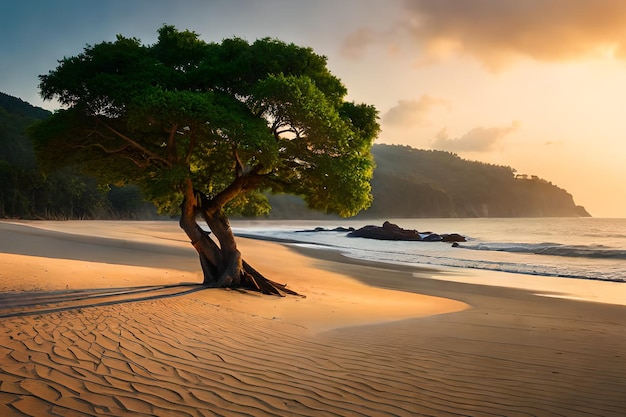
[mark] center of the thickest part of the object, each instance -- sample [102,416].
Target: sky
[537,85]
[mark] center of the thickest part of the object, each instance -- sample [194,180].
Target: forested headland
[407,183]
[414,183]
[419,183]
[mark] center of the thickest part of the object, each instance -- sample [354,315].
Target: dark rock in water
[322,229]
[453,237]
[432,237]
[388,231]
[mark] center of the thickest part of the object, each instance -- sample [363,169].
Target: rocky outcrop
[453,237]
[390,231]
[323,229]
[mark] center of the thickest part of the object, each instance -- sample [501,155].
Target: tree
[205,128]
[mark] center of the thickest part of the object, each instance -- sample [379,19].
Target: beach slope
[107,318]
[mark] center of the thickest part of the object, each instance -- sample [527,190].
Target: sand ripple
[184,356]
[173,350]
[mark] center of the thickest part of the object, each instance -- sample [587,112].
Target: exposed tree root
[222,265]
[255,280]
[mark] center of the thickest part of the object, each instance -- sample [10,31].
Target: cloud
[412,112]
[496,31]
[356,43]
[479,139]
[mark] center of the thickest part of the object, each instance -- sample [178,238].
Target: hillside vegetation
[407,183]
[27,192]
[419,183]
[411,183]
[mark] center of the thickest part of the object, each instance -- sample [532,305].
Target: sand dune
[106,318]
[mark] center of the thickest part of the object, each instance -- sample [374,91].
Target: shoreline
[453,283]
[121,254]
[586,290]
[370,339]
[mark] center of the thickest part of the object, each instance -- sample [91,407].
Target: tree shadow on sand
[28,303]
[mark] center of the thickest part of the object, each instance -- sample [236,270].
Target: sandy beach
[107,318]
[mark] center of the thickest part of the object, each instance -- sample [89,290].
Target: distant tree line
[28,192]
[407,183]
[412,183]
[441,184]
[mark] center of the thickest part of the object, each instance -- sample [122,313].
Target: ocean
[580,248]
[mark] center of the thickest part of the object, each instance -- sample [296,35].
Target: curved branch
[137,163]
[239,168]
[171,145]
[151,155]
[240,185]
[119,151]
[192,145]
[104,148]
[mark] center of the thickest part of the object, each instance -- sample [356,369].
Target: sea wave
[521,246]
[553,249]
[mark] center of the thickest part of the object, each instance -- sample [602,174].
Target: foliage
[26,192]
[465,188]
[407,183]
[20,108]
[411,182]
[206,127]
[231,117]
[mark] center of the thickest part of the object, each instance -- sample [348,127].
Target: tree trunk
[222,265]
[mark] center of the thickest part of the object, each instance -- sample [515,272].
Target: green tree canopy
[205,126]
